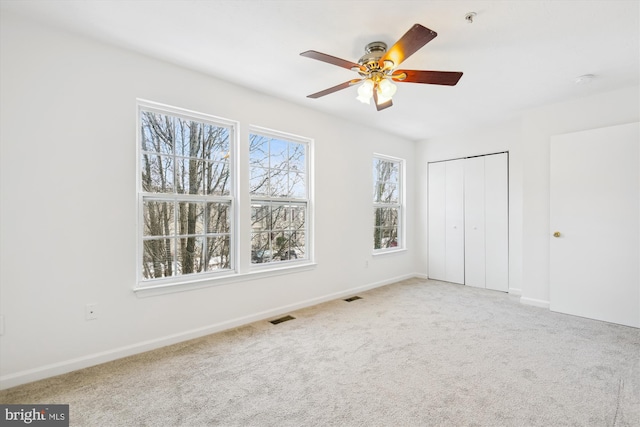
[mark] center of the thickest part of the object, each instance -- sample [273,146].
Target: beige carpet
[416,353]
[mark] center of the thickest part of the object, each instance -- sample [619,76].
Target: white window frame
[232,198]
[309,216]
[400,205]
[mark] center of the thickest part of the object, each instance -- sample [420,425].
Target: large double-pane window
[279,190]
[388,199]
[185,194]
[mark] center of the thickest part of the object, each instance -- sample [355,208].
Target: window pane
[394,172]
[287,245]
[218,253]
[260,248]
[260,217]
[158,218]
[279,245]
[278,183]
[279,154]
[386,192]
[190,256]
[190,218]
[377,238]
[280,217]
[385,238]
[216,143]
[393,217]
[386,217]
[259,151]
[389,237]
[157,174]
[218,218]
[297,161]
[297,245]
[259,182]
[298,217]
[297,188]
[386,181]
[190,176]
[157,258]
[389,193]
[156,133]
[378,217]
[386,170]
[218,178]
[188,138]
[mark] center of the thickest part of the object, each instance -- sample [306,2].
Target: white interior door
[595,206]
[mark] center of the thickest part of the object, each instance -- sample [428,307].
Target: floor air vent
[282,319]
[353,298]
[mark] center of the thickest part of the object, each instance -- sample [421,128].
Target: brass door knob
[556,234]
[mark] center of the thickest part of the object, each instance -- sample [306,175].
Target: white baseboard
[47,371]
[515,292]
[534,302]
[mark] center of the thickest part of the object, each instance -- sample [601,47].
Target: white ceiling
[516,54]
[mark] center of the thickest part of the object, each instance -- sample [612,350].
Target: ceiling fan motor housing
[374,51]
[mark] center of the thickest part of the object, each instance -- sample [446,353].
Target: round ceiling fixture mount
[585,79]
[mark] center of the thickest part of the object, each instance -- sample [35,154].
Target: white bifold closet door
[468,221]
[486,210]
[474,220]
[446,221]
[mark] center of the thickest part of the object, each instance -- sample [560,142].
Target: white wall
[68,211]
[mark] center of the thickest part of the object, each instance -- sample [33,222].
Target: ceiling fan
[377,68]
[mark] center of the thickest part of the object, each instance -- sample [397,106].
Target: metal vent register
[282,319]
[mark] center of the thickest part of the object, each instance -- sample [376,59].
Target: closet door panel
[437,221]
[474,221]
[497,222]
[454,189]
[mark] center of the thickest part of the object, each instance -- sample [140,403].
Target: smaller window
[280,195]
[388,203]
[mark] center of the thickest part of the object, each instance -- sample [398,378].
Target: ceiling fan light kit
[377,68]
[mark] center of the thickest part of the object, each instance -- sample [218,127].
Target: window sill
[255,273]
[389,251]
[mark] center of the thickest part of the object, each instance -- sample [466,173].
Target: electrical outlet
[91,311]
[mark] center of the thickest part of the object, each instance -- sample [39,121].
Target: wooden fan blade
[334,89]
[447,78]
[383,105]
[332,60]
[408,44]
